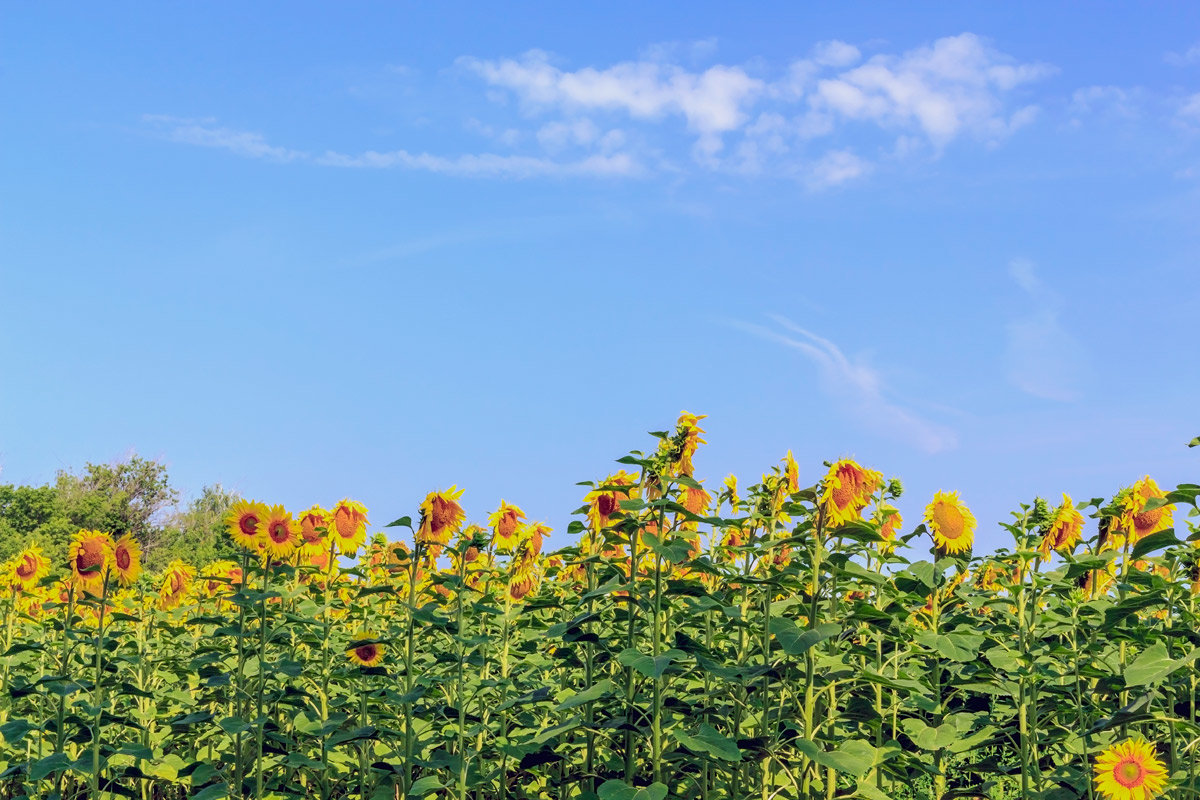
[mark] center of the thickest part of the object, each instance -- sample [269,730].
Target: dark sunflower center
[89,557]
[279,532]
[1129,773]
[248,524]
[123,558]
[27,568]
[366,652]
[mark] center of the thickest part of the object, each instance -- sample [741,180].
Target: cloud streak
[1042,358]
[858,388]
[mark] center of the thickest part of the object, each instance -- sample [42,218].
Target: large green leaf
[709,740]
[1154,664]
[795,641]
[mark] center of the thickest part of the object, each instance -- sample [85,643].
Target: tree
[197,534]
[126,497]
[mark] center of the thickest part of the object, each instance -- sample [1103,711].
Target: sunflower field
[778,641]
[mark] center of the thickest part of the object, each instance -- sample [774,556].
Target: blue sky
[319,250]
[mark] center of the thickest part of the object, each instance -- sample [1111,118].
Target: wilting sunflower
[522,576]
[695,500]
[687,435]
[889,520]
[535,535]
[220,577]
[29,567]
[791,472]
[91,558]
[1064,530]
[127,560]
[348,525]
[505,522]
[605,500]
[1130,771]
[846,490]
[244,521]
[950,523]
[177,579]
[364,650]
[1136,520]
[441,517]
[730,493]
[314,524]
[281,534]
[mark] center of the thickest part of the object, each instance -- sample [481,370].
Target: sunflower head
[280,534]
[91,559]
[730,492]
[348,526]
[535,535]
[244,522]
[846,490]
[314,524]
[889,520]
[1064,530]
[219,578]
[696,500]
[950,523]
[791,473]
[441,517]
[127,560]
[27,568]
[177,579]
[1137,521]
[505,522]
[364,650]
[1129,770]
[682,445]
[605,500]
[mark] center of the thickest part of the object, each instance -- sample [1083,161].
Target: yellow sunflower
[696,501]
[29,567]
[348,525]
[605,500]
[505,521]
[791,471]
[534,535]
[314,524]
[1130,771]
[220,577]
[91,557]
[244,521]
[687,429]
[441,517]
[127,559]
[889,520]
[846,490]
[282,536]
[177,579]
[1065,530]
[1136,521]
[731,493]
[364,650]
[950,523]
[522,576]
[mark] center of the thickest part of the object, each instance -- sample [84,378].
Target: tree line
[132,496]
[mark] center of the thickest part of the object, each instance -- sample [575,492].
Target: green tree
[127,497]
[197,533]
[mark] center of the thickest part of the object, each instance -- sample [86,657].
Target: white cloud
[202,133]
[1189,109]
[1189,56]
[951,87]
[835,53]
[858,389]
[835,168]
[1041,357]
[487,165]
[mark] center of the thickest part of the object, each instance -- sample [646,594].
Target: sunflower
[534,535]
[364,650]
[441,517]
[522,576]
[730,492]
[847,489]
[29,567]
[685,442]
[1130,771]
[696,501]
[505,521]
[91,557]
[127,559]
[889,522]
[177,579]
[1064,530]
[314,524]
[220,577]
[791,471]
[244,521]
[348,525]
[950,523]
[1137,521]
[605,500]
[282,535]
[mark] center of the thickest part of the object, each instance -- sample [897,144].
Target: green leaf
[1194,442]
[588,695]
[213,792]
[14,730]
[650,667]
[796,642]
[425,785]
[1155,541]
[709,740]
[619,790]
[1154,664]
[403,522]
[47,766]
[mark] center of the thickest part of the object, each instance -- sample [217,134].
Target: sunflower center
[248,524]
[90,557]
[346,524]
[505,528]
[606,504]
[442,516]
[308,529]
[1147,520]
[1129,773]
[279,532]
[949,521]
[366,652]
[123,560]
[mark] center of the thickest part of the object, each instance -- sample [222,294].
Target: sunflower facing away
[1065,529]
[29,567]
[282,537]
[127,560]
[177,579]
[889,522]
[348,525]
[314,524]
[441,517]
[1130,771]
[1136,520]
[846,490]
[91,558]
[605,500]
[950,523]
[364,651]
[244,522]
[505,521]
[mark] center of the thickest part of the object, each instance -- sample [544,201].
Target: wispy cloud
[207,133]
[1189,56]
[1042,358]
[857,387]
